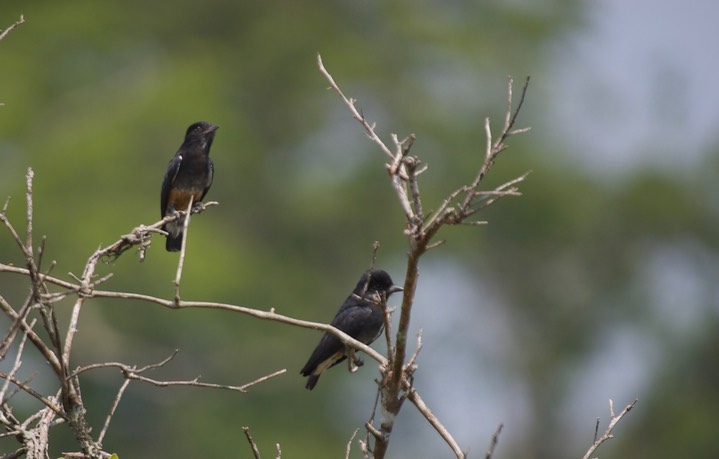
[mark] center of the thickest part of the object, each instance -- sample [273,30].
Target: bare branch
[10,29]
[141,235]
[114,406]
[396,384]
[45,400]
[253,445]
[181,262]
[511,117]
[264,315]
[34,338]
[417,401]
[16,366]
[196,381]
[612,423]
[396,169]
[369,128]
[349,444]
[410,366]
[131,372]
[28,184]
[495,440]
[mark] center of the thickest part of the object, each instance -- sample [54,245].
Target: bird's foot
[358,362]
[197,207]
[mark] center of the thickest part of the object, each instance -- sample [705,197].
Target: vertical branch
[349,444]
[28,194]
[391,385]
[404,170]
[181,262]
[70,335]
[492,150]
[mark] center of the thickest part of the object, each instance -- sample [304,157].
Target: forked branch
[613,420]
[404,170]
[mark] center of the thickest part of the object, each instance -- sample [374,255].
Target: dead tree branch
[613,421]
[404,170]
[55,345]
[493,443]
[4,33]
[251,441]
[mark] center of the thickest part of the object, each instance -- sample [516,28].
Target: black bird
[189,175]
[361,316]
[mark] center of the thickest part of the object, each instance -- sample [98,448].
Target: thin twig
[253,445]
[349,444]
[10,29]
[264,315]
[181,262]
[511,117]
[596,430]
[196,381]
[355,114]
[614,419]
[114,406]
[28,184]
[133,373]
[46,352]
[84,290]
[417,401]
[493,443]
[410,365]
[396,173]
[46,401]
[16,366]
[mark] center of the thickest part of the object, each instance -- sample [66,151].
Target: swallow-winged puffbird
[361,316]
[189,176]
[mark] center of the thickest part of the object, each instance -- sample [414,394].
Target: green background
[595,284]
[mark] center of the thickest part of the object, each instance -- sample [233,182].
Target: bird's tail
[312,381]
[174,243]
[174,237]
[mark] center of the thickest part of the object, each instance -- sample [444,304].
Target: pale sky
[638,86]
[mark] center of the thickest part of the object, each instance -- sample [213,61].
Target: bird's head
[202,133]
[376,281]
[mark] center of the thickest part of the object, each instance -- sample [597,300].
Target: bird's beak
[394,288]
[212,128]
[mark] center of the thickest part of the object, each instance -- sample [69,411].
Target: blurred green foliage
[97,97]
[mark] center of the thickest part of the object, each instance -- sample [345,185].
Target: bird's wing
[350,319]
[172,169]
[210,176]
[329,346]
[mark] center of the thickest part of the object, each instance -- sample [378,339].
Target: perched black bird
[189,175]
[361,316]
